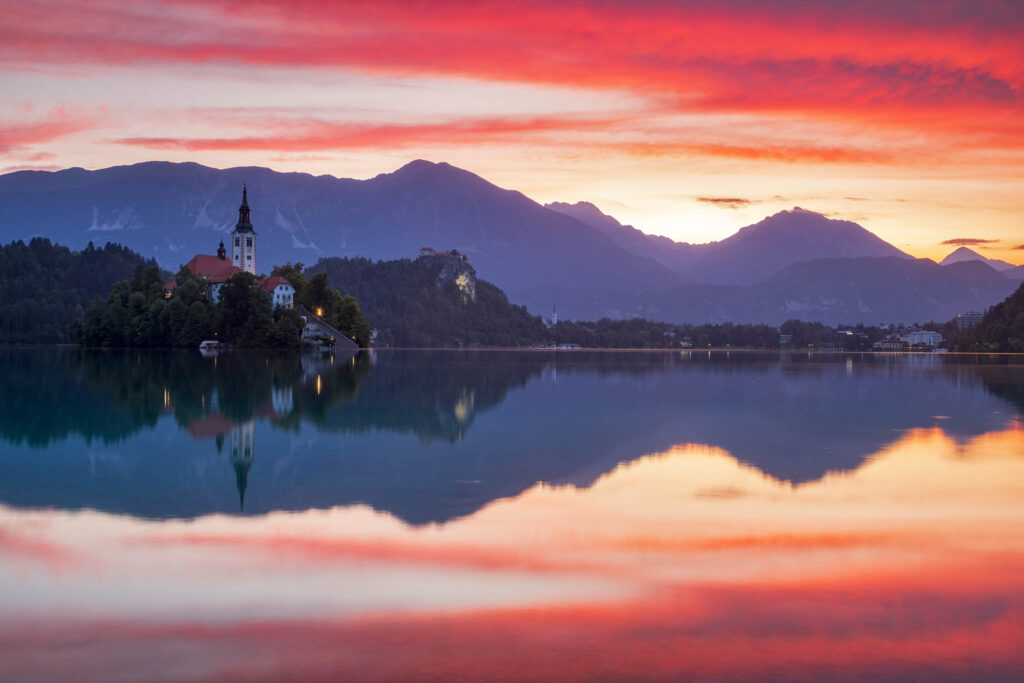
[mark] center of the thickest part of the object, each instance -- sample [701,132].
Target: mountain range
[796,263]
[753,253]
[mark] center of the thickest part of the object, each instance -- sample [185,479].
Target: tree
[352,322]
[245,314]
[1002,328]
[286,332]
[198,325]
[45,287]
[319,295]
[190,287]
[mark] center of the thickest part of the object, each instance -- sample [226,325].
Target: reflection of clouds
[668,563]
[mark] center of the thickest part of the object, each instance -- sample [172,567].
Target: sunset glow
[686,119]
[869,570]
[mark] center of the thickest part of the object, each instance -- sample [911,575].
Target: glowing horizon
[688,120]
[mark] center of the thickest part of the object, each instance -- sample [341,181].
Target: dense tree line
[845,337]
[416,304]
[137,313]
[1001,330]
[639,333]
[341,312]
[45,286]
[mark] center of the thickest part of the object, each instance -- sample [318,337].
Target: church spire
[244,222]
[243,238]
[241,481]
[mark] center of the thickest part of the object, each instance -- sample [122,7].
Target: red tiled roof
[272,282]
[213,424]
[212,267]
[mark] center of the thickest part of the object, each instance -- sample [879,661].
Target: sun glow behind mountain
[689,119]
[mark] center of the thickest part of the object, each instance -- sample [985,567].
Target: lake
[533,515]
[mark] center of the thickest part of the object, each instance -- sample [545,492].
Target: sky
[688,119]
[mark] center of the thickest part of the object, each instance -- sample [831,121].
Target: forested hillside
[45,286]
[431,302]
[1002,328]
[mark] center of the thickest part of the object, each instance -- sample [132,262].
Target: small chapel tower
[243,239]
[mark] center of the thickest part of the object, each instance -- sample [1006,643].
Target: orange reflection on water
[687,563]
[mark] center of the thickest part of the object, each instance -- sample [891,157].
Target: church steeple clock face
[243,238]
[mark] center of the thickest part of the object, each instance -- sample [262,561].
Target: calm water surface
[530,515]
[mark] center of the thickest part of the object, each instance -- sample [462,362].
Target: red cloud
[952,66]
[59,122]
[767,152]
[309,135]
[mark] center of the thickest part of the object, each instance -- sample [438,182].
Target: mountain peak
[423,172]
[589,214]
[961,254]
[418,165]
[785,238]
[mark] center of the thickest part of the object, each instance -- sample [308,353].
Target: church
[217,269]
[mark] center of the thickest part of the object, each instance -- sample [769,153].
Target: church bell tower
[243,239]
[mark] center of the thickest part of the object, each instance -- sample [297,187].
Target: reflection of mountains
[563,418]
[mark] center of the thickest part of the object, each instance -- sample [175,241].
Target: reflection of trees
[998,374]
[236,384]
[434,394]
[45,399]
[50,394]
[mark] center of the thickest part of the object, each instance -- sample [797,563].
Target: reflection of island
[317,380]
[483,425]
[686,564]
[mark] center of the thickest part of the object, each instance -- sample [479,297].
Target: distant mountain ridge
[569,255]
[866,290]
[963,254]
[751,254]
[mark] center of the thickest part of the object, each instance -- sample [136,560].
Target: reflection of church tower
[281,400]
[242,451]
[243,239]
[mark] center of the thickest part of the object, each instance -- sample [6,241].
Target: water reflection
[433,436]
[680,564]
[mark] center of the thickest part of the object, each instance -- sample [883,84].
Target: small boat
[209,348]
